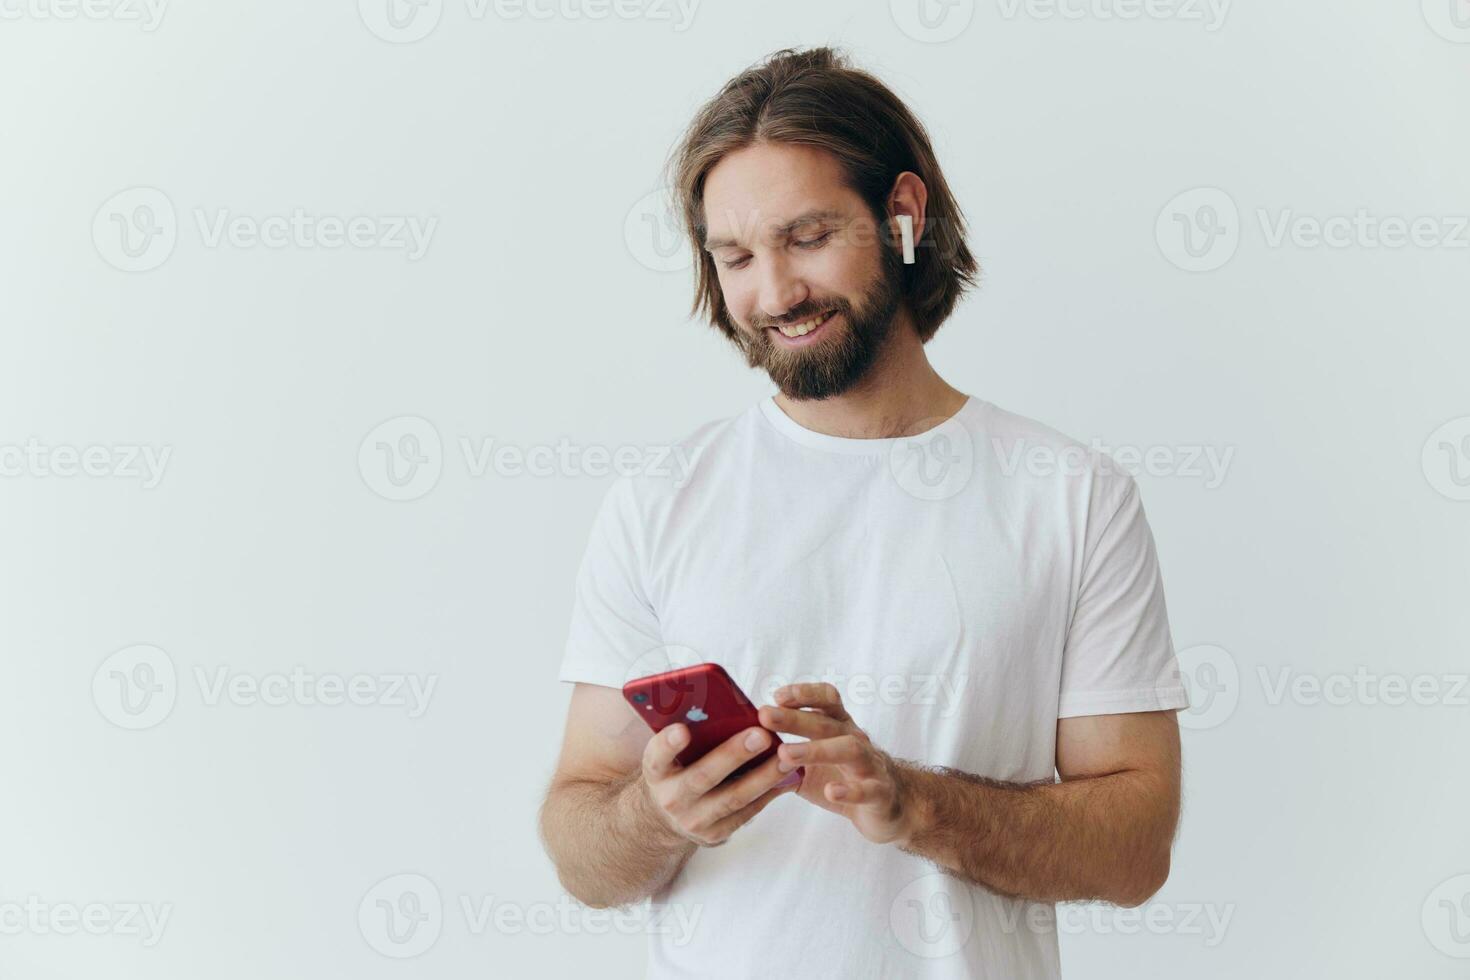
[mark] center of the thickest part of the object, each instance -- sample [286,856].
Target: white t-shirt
[963,589]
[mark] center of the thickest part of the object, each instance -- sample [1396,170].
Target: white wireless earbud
[906,232]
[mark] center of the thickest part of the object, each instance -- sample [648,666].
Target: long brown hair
[814,97]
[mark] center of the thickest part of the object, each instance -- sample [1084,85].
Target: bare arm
[622,816]
[609,849]
[1103,832]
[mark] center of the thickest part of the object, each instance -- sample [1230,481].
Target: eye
[737,264]
[817,242]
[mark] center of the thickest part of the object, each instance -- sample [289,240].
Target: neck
[901,395]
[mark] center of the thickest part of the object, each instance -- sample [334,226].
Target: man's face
[791,244]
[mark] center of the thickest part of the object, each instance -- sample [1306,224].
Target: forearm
[1104,837]
[609,847]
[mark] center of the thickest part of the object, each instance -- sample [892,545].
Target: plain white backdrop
[310,317]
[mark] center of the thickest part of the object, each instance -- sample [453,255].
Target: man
[995,731]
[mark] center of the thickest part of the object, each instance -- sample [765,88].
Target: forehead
[761,187]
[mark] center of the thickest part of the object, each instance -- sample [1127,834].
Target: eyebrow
[815,216]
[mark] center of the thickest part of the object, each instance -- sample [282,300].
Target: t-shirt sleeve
[1119,656]
[613,624]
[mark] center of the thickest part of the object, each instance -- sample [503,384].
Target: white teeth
[804,328]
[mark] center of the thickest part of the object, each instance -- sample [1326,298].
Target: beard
[833,364]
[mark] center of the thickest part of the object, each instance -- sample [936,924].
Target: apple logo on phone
[695,714]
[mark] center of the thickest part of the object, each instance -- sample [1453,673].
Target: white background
[1330,834]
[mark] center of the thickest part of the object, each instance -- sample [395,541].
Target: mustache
[804,312]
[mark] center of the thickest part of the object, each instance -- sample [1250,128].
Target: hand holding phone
[710,766]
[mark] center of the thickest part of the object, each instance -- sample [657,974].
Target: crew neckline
[797,432]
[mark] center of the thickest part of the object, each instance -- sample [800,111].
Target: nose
[780,291]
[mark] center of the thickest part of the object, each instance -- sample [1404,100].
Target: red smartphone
[706,700]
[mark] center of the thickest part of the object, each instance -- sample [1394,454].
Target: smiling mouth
[797,330]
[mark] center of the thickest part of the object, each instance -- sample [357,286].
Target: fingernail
[792,780]
[755,740]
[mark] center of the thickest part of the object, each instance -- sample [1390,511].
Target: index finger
[823,697]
